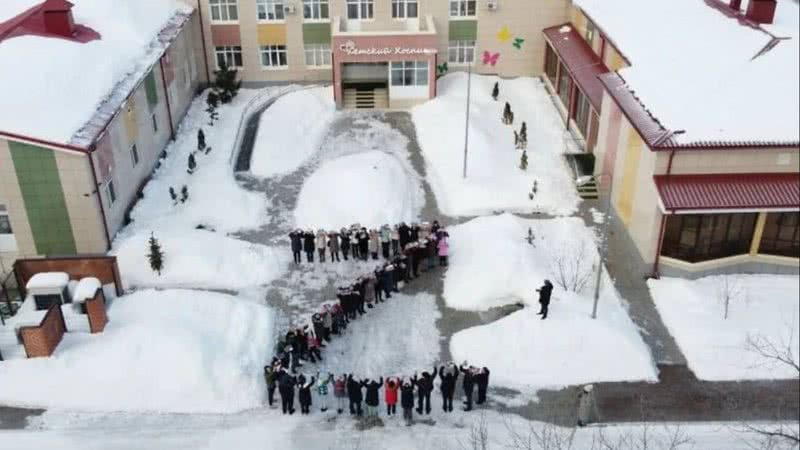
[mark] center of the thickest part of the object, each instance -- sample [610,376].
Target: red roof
[729,191]
[57,5]
[581,61]
[32,22]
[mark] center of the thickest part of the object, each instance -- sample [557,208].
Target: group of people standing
[351,392]
[363,244]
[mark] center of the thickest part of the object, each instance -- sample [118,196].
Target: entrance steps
[588,190]
[356,98]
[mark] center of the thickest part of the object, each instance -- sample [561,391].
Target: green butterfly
[518,43]
[442,68]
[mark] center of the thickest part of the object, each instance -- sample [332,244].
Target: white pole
[466,123]
[603,249]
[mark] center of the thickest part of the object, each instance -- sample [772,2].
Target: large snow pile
[38,102]
[291,130]
[491,264]
[199,259]
[719,55]
[761,308]
[494,180]
[162,351]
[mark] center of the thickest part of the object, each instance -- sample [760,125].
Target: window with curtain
[410,73]
[315,9]
[461,52]
[702,237]
[269,10]
[318,55]
[224,10]
[781,235]
[360,9]
[273,56]
[402,9]
[230,55]
[462,8]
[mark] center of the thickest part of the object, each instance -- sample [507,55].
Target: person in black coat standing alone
[407,399]
[449,376]
[355,395]
[297,245]
[286,384]
[544,297]
[309,244]
[469,385]
[482,380]
[424,389]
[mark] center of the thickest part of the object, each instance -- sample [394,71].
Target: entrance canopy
[752,191]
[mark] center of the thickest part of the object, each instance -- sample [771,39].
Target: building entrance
[365,85]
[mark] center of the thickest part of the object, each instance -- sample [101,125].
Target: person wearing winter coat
[388,280]
[408,251]
[286,385]
[444,249]
[340,392]
[322,244]
[363,244]
[369,291]
[358,292]
[390,395]
[308,245]
[333,245]
[327,322]
[395,240]
[424,230]
[414,232]
[355,395]
[304,393]
[386,240]
[354,244]
[344,242]
[372,399]
[424,389]
[407,398]
[468,384]
[339,319]
[313,347]
[378,274]
[482,380]
[544,298]
[271,378]
[318,322]
[374,243]
[297,245]
[405,234]
[449,376]
[323,381]
[435,228]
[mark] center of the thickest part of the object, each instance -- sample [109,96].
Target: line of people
[362,243]
[351,392]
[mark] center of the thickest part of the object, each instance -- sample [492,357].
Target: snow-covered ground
[165,351]
[761,307]
[494,180]
[492,264]
[291,131]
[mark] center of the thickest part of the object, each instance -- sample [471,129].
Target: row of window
[275,10]
[319,55]
[409,73]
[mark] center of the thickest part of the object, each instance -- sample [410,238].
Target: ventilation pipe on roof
[58,18]
[761,11]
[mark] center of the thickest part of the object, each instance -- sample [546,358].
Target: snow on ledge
[48,280]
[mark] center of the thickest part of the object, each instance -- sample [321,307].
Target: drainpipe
[663,226]
[166,96]
[203,40]
[99,199]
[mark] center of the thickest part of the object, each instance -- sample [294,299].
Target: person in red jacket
[390,394]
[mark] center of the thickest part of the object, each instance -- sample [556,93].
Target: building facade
[71,198]
[392,47]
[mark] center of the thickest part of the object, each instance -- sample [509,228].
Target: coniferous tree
[155,255]
[516,140]
[522,142]
[508,115]
[201,140]
[192,164]
[184,194]
[212,100]
[496,91]
[523,161]
[173,195]
[226,84]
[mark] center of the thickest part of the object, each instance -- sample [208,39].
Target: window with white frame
[461,52]
[315,9]
[273,56]
[134,155]
[5,223]
[230,55]
[405,9]
[318,55]
[111,194]
[224,10]
[410,73]
[360,9]
[269,10]
[462,8]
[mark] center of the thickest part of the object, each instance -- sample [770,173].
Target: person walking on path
[544,298]
[304,393]
[340,392]
[444,249]
[344,237]
[449,376]
[468,384]
[482,380]
[286,384]
[355,395]
[372,398]
[323,381]
[407,399]
[333,245]
[308,245]
[424,389]
[297,245]
[390,395]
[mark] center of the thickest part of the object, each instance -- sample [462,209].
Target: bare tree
[729,290]
[779,436]
[570,265]
[478,438]
[670,437]
[776,351]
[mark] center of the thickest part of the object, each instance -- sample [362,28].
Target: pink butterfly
[489,58]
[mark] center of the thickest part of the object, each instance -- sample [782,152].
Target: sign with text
[351,49]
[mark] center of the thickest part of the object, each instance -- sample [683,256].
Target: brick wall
[103,268]
[96,312]
[42,340]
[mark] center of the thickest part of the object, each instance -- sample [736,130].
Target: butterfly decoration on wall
[442,69]
[490,58]
[518,43]
[504,35]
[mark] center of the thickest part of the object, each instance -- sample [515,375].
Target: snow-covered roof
[86,289]
[48,280]
[57,85]
[705,74]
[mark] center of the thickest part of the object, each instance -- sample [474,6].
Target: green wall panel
[150,89]
[40,183]
[316,33]
[463,30]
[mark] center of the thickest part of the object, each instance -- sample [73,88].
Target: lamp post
[603,250]
[466,121]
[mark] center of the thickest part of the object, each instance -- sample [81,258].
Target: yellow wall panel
[758,233]
[272,34]
[630,173]
[579,21]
